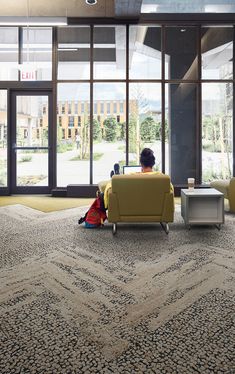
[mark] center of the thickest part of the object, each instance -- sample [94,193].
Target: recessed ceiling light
[91,2]
[182,30]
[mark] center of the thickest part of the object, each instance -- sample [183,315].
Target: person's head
[147,159]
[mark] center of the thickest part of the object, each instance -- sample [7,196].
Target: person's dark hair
[147,158]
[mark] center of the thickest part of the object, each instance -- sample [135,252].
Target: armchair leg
[165,227]
[114,228]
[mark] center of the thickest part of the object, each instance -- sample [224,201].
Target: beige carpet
[44,203]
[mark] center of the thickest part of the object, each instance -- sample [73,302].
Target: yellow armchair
[142,197]
[227,187]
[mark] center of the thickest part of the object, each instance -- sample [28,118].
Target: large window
[9,53]
[109,52]
[3,138]
[109,135]
[73,135]
[145,120]
[36,54]
[217,52]
[74,53]
[217,131]
[145,52]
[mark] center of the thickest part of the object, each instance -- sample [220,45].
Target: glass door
[31,142]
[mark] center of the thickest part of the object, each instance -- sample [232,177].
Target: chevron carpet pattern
[74,300]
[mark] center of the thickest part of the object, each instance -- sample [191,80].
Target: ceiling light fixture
[33,21]
[91,2]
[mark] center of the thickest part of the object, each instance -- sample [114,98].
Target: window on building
[75,108]
[63,108]
[79,120]
[38,134]
[71,121]
[114,108]
[41,122]
[44,109]
[118,118]
[69,133]
[69,108]
[108,108]
[63,133]
[121,107]
[25,134]
[102,108]
[95,108]
[60,121]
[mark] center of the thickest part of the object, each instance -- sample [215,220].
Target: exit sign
[28,75]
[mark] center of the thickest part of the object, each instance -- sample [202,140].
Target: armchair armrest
[113,210]
[169,208]
[231,194]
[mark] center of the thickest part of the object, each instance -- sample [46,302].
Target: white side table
[202,206]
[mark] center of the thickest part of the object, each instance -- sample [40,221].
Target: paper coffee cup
[191,183]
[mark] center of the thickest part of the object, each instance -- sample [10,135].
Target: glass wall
[145,120]
[3,138]
[217,52]
[9,53]
[74,52]
[144,52]
[109,129]
[109,52]
[36,54]
[217,131]
[165,80]
[73,134]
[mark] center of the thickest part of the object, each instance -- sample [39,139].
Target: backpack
[96,214]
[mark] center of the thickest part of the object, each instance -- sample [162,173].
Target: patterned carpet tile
[82,301]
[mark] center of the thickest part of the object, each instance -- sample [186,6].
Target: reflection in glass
[109,52]
[109,129]
[145,52]
[37,54]
[74,52]
[145,121]
[32,167]
[3,138]
[217,52]
[32,121]
[181,61]
[181,111]
[8,53]
[217,133]
[73,134]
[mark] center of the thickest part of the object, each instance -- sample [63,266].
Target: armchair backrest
[141,194]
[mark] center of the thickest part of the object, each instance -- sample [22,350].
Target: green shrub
[26,158]
[110,129]
[96,157]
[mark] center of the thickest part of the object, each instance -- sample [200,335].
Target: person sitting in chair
[147,162]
